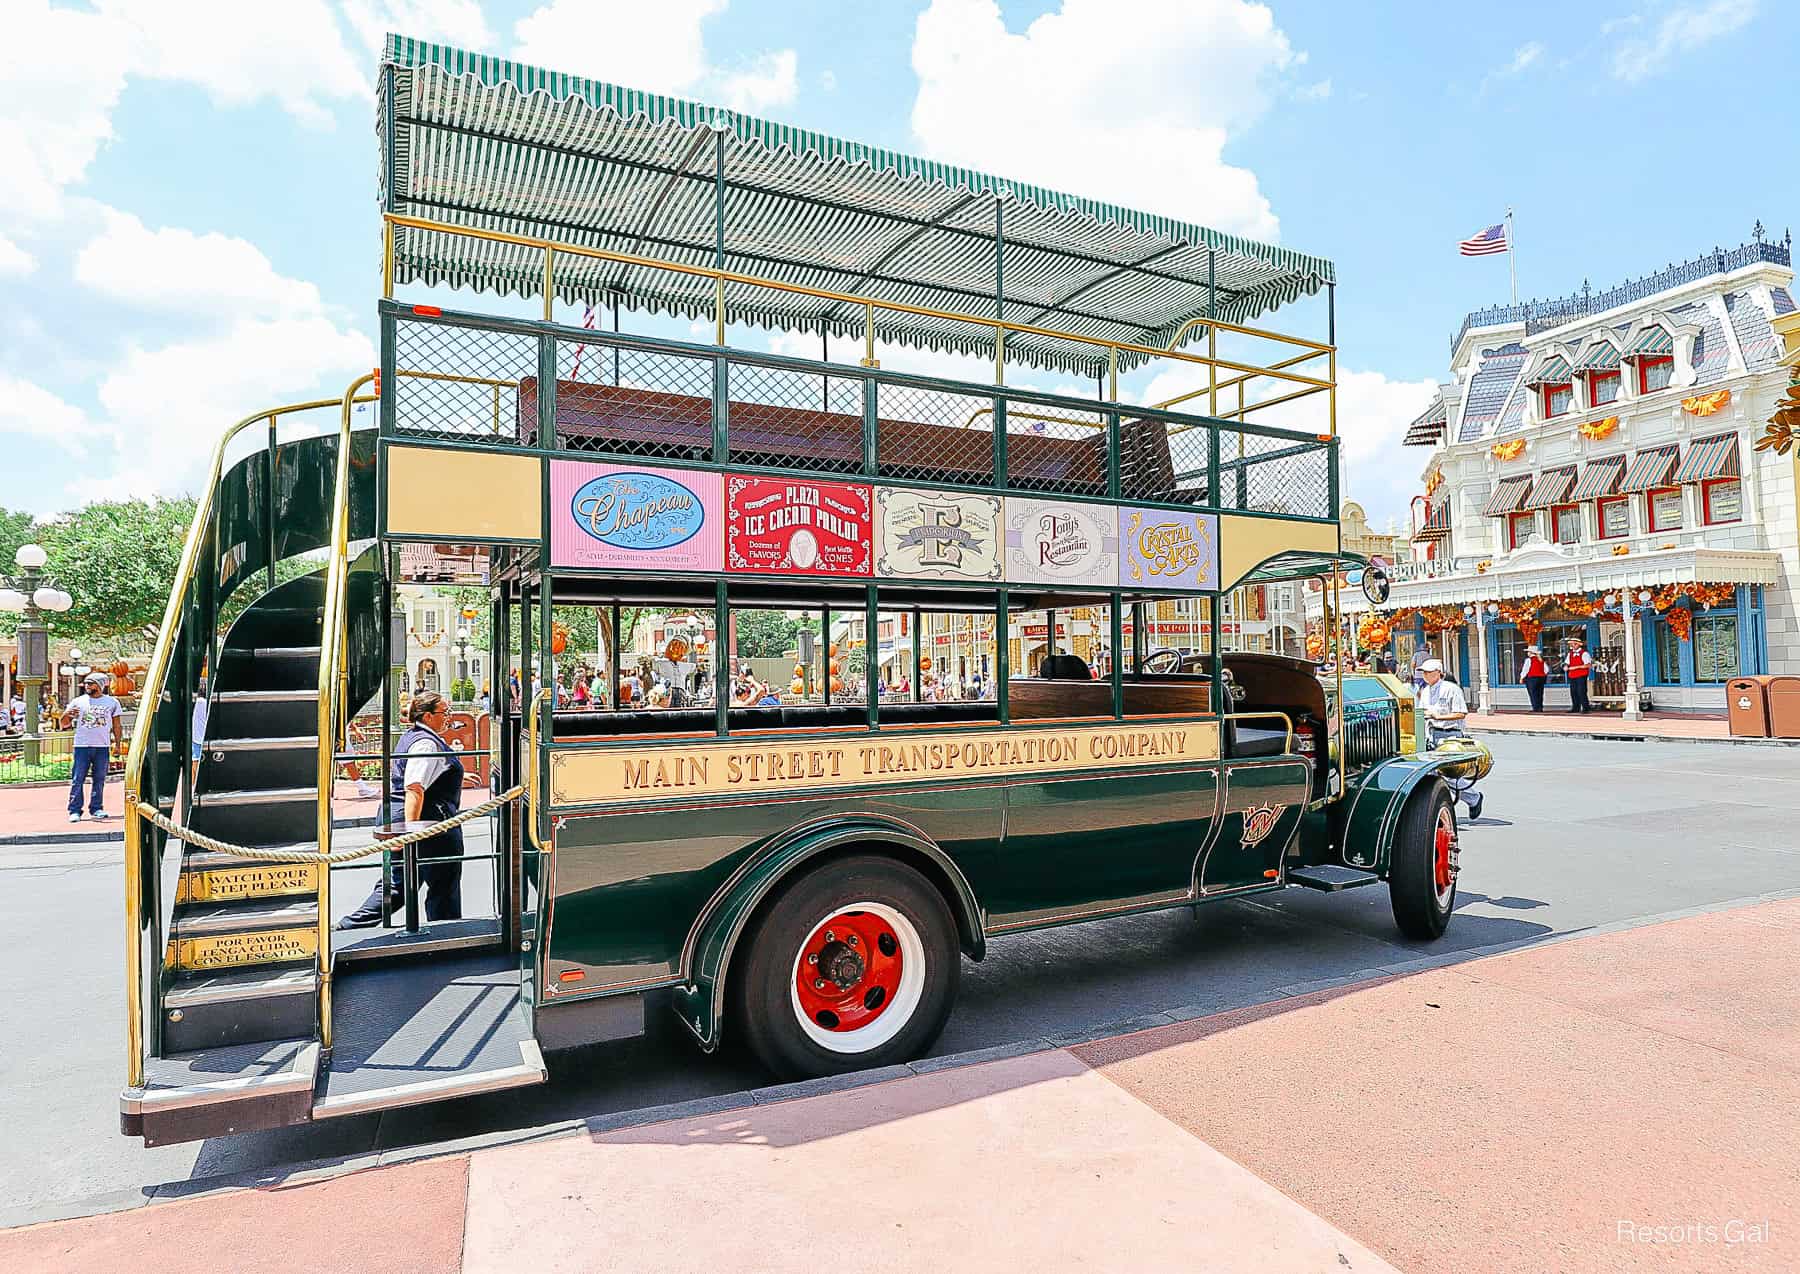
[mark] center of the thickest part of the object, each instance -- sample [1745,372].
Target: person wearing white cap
[96,717]
[1445,709]
[1534,673]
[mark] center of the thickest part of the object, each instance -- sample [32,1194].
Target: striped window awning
[480,142]
[1437,522]
[1553,371]
[1428,428]
[1552,487]
[1601,356]
[1600,479]
[1709,458]
[1508,497]
[1650,469]
[1652,342]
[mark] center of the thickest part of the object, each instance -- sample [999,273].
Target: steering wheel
[1167,659]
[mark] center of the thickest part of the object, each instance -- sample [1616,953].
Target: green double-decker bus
[1012,704]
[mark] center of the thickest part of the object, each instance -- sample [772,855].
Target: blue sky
[191,230]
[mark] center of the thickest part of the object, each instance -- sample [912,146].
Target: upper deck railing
[1541,316]
[516,383]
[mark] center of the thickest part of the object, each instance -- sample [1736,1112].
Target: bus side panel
[629,886]
[1097,844]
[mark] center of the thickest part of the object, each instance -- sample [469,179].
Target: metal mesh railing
[461,382]
[789,419]
[1053,448]
[1274,474]
[633,402]
[933,435]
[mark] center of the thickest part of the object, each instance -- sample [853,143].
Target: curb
[1636,738]
[71,838]
[1407,960]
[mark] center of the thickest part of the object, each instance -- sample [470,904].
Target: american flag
[1486,243]
[587,321]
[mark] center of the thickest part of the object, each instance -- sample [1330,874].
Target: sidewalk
[1610,725]
[1616,1102]
[37,815]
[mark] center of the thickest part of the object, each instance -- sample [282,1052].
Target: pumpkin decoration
[796,687]
[675,650]
[559,638]
[837,687]
[469,612]
[1680,621]
[120,668]
[1511,449]
[1594,430]
[1373,630]
[1315,645]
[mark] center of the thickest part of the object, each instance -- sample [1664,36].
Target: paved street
[1578,835]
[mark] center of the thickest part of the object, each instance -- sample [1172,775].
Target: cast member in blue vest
[424,785]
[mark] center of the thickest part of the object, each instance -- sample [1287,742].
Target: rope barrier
[188,836]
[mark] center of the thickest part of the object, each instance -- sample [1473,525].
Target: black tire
[1421,906]
[765,1004]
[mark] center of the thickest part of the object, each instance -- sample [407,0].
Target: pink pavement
[1653,725]
[28,810]
[1615,1102]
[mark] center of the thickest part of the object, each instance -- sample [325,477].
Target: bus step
[212,1009]
[404,1033]
[256,931]
[1330,877]
[214,1092]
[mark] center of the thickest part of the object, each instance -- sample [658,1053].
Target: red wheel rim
[849,970]
[1445,856]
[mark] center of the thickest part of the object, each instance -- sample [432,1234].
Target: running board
[219,1091]
[1330,877]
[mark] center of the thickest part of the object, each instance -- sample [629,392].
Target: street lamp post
[30,596]
[462,652]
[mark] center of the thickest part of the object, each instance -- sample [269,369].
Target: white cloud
[61,74]
[458,22]
[29,411]
[1522,57]
[176,270]
[660,47]
[828,80]
[14,260]
[1314,92]
[1681,30]
[1134,97]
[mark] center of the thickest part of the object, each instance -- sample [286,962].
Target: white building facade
[1592,471]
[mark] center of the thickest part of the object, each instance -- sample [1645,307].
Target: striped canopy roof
[1709,458]
[1428,427]
[1551,371]
[1508,497]
[1650,342]
[482,142]
[1601,478]
[1552,488]
[1601,356]
[1650,469]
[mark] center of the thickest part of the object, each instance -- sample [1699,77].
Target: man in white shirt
[1445,710]
[99,724]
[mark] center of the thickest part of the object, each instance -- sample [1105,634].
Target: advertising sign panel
[937,534]
[1061,542]
[634,517]
[794,526]
[1166,548]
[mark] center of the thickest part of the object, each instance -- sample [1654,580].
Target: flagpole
[1511,268]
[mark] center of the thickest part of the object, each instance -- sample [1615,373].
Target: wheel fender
[1373,803]
[700,1001]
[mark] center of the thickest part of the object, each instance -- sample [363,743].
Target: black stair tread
[284,652]
[240,915]
[199,860]
[251,1070]
[209,986]
[435,935]
[1331,877]
[262,743]
[267,696]
[257,796]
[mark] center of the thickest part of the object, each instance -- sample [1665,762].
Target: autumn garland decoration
[1512,449]
[1595,430]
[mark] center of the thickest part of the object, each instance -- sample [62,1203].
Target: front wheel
[854,965]
[1422,877]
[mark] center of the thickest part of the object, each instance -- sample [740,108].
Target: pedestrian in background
[99,723]
[1534,674]
[1577,663]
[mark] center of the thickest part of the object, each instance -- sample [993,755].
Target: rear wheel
[1422,877]
[853,965]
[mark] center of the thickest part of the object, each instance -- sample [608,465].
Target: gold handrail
[140,736]
[331,653]
[551,247]
[1282,717]
[531,771]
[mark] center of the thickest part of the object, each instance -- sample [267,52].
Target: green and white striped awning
[1709,458]
[1427,428]
[1508,497]
[1552,371]
[1552,488]
[1600,479]
[481,142]
[1650,469]
[1601,356]
[1651,343]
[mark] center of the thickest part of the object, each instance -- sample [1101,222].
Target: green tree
[764,634]
[15,529]
[118,560]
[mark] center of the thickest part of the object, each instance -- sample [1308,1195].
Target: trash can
[1784,706]
[1747,706]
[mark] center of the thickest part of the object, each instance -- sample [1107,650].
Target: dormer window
[1653,352]
[1555,386]
[1603,388]
[1600,365]
[1655,374]
[1559,396]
